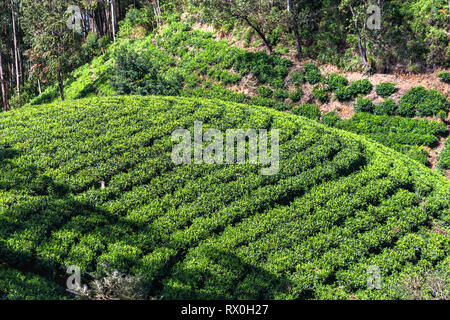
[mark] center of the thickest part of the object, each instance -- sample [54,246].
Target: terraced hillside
[339,205]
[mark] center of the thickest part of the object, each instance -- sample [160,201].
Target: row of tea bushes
[209,231]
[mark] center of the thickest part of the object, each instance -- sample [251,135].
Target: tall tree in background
[54,47]
[16,47]
[255,13]
[4,34]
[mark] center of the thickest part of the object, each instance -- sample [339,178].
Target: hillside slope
[339,205]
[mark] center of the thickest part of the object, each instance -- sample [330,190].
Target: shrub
[427,103]
[312,73]
[387,107]
[364,105]
[321,95]
[339,203]
[264,102]
[444,157]
[361,87]
[442,115]
[330,118]
[112,286]
[385,89]
[265,92]
[281,94]
[343,94]
[445,76]
[433,103]
[310,111]
[335,81]
[297,78]
[296,95]
[139,73]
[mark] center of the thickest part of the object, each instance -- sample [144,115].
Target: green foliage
[312,73]
[141,74]
[310,111]
[15,285]
[386,107]
[297,78]
[265,92]
[361,87]
[385,89]
[425,103]
[402,134]
[364,105]
[445,76]
[335,81]
[444,157]
[281,94]
[344,94]
[339,202]
[321,95]
[330,118]
[136,18]
[296,95]
[161,64]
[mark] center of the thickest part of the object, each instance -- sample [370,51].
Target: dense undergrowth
[339,205]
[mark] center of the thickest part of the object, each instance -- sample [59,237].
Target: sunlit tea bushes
[422,102]
[339,203]
[444,162]
[402,134]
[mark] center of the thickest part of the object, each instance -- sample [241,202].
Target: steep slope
[339,204]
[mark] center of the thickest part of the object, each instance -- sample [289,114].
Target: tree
[54,47]
[255,13]
[3,86]
[16,48]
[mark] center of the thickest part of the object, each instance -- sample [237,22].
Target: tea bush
[385,89]
[321,95]
[330,118]
[444,157]
[423,102]
[364,105]
[344,94]
[338,204]
[360,87]
[296,95]
[444,76]
[402,134]
[310,111]
[312,73]
[386,107]
[335,81]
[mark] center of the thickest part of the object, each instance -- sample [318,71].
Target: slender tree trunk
[294,26]
[61,86]
[39,86]
[16,50]
[361,48]
[113,19]
[3,85]
[267,44]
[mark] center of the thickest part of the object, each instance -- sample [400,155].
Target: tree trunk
[16,50]
[267,44]
[362,50]
[39,86]
[61,86]
[294,26]
[113,19]
[3,85]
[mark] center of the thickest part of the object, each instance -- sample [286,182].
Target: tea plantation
[339,205]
